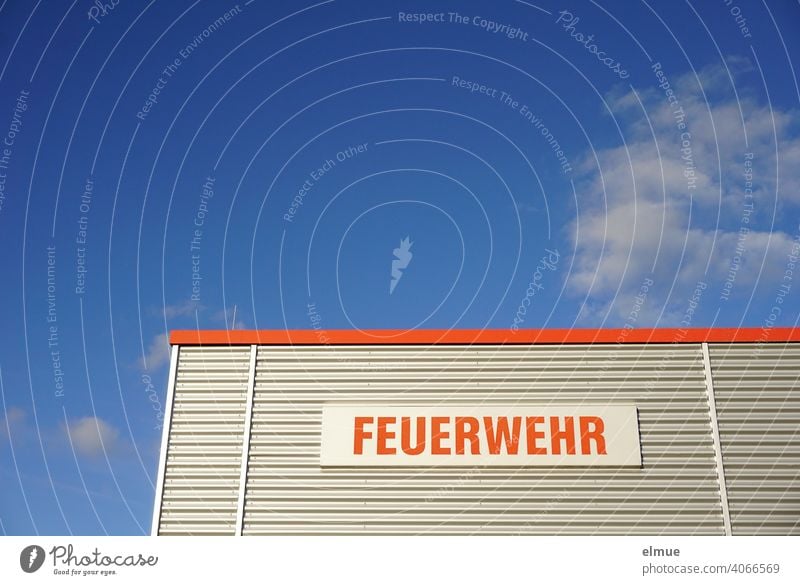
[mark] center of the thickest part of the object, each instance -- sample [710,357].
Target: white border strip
[712,407]
[165,433]
[248,420]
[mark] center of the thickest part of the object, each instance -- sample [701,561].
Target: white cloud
[189,308]
[88,436]
[91,436]
[12,424]
[225,317]
[157,353]
[638,218]
[183,309]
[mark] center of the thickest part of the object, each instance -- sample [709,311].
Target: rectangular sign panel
[375,435]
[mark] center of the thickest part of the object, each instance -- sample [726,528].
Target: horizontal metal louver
[675,492]
[201,481]
[758,408]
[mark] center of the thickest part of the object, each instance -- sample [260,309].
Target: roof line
[482,336]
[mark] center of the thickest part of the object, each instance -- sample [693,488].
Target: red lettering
[437,434]
[503,434]
[596,434]
[405,435]
[557,435]
[533,435]
[360,434]
[462,434]
[384,435]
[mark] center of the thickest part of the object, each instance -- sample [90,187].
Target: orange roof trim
[481,336]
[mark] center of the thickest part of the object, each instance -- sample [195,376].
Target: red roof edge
[481,336]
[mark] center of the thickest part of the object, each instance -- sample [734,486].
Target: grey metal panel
[201,483]
[675,492]
[757,390]
[162,460]
[712,410]
[248,418]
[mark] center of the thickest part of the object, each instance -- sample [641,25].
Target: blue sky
[649,152]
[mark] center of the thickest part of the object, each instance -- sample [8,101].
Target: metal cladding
[758,403]
[717,423]
[204,451]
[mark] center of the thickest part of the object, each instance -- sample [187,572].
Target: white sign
[358,435]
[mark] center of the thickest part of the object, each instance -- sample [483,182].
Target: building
[626,431]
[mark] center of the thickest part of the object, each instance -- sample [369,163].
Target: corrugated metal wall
[201,481]
[676,491]
[758,407]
